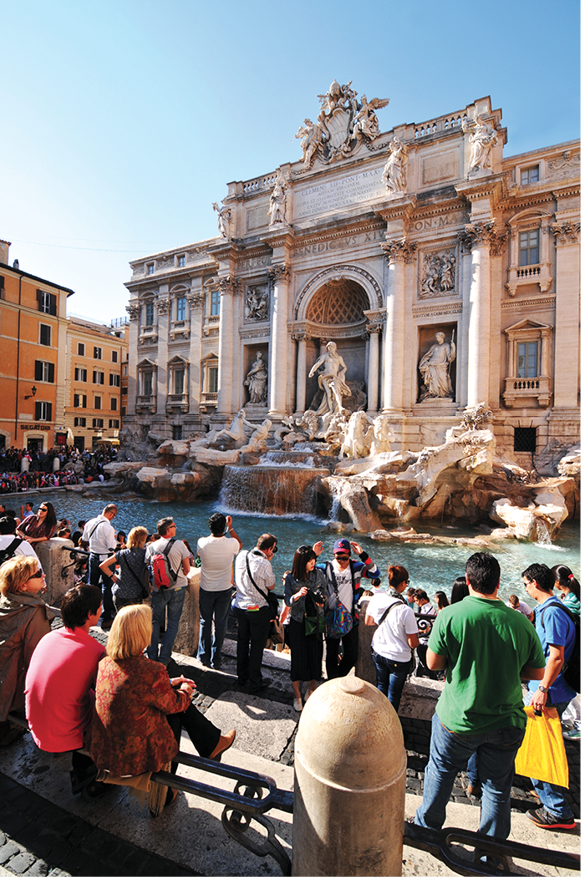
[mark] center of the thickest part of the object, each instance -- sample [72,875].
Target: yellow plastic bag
[542,753]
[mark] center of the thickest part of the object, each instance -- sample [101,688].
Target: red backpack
[162,575]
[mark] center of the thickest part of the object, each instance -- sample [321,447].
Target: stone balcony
[527,390]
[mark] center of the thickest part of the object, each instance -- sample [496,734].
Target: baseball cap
[342,546]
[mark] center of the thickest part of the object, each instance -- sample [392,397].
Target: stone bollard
[365,668]
[57,565]
[189,628]
[350,771]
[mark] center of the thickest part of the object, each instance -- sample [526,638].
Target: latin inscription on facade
[345,192]
[354,240]
[436,222]
[437,168]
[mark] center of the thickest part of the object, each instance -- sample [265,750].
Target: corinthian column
[278,366]
[301,384]
[478,237]
[397,254]
[226,345]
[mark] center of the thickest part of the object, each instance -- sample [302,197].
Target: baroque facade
[446,274]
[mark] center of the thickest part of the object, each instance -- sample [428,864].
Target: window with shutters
[98,403]
[114,380]
[97,423]
[81,374]
[43,411]
[46,302]
[114,403]
[114,356]
[113,424]
[97,353]
[98,377]
[80,349]
[45,335]
[79,400]
[44,371]
[80,421]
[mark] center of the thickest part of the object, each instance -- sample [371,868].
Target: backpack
[10,550]
[570,671]
[162,575]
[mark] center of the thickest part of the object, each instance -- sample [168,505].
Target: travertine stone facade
[378,242]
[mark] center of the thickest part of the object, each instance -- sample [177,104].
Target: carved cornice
[437,310]
[133,311]
[402,249]
[278,272]
[516,303]
[566,232]
[476,234]
[163,306]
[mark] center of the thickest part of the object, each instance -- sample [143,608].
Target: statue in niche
[257,303]
[366,123]
[224,217]
[435,369]
[331,379]
[256,381]
[277,206]
[482,139]
[395,170]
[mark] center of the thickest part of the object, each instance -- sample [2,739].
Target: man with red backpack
[169,561]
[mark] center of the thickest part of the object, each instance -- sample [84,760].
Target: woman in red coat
[139,710]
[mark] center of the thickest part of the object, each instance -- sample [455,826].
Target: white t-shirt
[522,607]
[344,585]
[217,554]
[390,638]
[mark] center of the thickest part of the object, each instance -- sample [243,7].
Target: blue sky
[123,120]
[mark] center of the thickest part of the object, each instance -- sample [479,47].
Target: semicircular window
[338,302]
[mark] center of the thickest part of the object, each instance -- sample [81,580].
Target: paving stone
[75,860]
[40,868]
[2,838]
[59,850]
[79,833]
[12,823]
[20,863]
[96,841]
[7,851]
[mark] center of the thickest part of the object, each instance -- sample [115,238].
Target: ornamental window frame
[178,395]
[525,222]
[146,380]
[209,368]
[519,389]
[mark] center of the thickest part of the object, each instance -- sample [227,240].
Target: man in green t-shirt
[486,649]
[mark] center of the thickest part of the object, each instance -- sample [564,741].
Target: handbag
[542,753]
[314,621]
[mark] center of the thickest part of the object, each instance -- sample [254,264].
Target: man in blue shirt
[556,632]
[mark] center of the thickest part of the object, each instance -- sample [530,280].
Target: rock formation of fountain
[344,465]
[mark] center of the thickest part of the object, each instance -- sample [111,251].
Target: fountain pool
[432,567]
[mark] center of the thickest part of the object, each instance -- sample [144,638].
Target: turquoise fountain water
[432,567]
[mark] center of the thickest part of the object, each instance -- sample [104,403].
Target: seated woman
[24,620]
[130,582]
[304,590]
[140,711]
[396,635]
[39,527]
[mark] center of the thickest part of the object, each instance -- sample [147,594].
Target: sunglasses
[42,508]
[38,575]
[341,556]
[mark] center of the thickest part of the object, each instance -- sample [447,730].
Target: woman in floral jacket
[139,710]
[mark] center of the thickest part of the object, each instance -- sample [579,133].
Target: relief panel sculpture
[256,303]
[438,274]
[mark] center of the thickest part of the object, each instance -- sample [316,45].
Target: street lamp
[33,393]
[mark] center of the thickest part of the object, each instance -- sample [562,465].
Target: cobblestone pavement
[38,838]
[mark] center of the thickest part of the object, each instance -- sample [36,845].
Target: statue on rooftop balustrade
[482,139]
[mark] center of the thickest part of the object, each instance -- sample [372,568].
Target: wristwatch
[543,689]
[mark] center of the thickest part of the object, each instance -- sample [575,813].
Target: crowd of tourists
[24,469]
[120,711]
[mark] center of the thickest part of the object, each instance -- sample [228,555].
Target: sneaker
[543,818]
[573,734]
[297,705]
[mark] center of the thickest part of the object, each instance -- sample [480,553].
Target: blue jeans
[552,797]
[449,753]
[213,605]
[100,580]
[391,677]
[174,601]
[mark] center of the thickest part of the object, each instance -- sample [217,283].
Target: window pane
[181,309]
[215,304]
[179,381]
[212,380]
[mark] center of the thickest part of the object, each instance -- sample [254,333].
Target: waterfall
[543,535]
[271,489]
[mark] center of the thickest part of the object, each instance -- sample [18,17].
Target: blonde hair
[130,633]
[15,573]
[137,537]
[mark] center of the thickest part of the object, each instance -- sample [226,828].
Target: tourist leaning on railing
[130,583]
